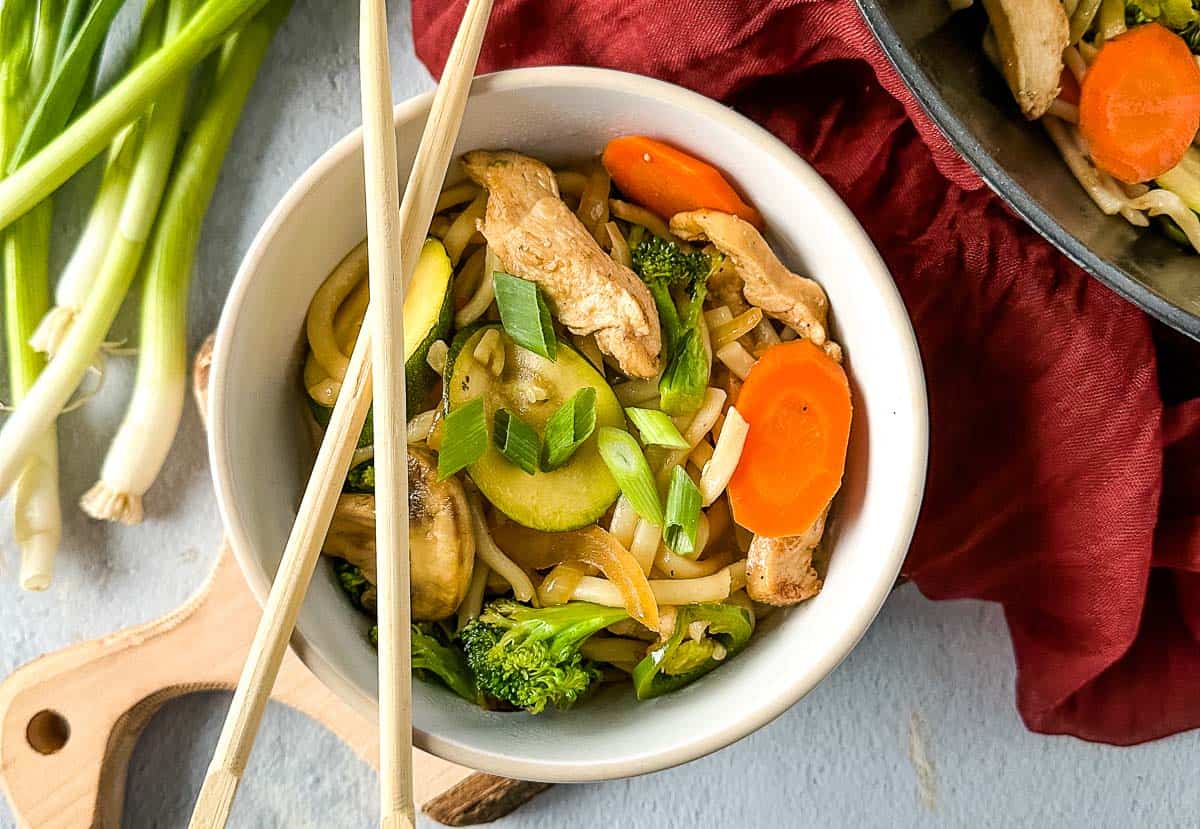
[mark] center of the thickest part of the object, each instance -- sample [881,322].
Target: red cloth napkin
[1060,484]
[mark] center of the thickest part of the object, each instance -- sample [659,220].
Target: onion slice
[593,546]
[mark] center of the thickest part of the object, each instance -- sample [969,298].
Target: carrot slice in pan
[669,181]
[797,402]
[1139,108]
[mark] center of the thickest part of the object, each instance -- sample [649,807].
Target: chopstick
[385,236]
[392,257]
[303,547]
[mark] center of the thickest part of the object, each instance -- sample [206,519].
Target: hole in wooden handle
[47,732]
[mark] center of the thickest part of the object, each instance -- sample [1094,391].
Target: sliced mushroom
[441,545]
[796,301]
[1030,38]
[537,237]
[352,533]
[780,571]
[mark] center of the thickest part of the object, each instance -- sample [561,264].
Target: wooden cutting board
[69,721]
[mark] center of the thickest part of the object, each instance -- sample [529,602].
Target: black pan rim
[1007,188]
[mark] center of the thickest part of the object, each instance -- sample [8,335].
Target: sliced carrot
[797,402]
[1139,108]
[669,181]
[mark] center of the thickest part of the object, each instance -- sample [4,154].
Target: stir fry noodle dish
[628,423]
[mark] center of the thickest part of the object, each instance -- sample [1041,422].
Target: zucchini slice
[533,388]
[428,314]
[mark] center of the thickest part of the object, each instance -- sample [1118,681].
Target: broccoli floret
[356,585]
[1180,16]
[433,654]
[530,657]
[666,268]
[705,636]
[362,477]
[661,260]
[663,266]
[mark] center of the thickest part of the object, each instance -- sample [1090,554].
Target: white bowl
[260,449]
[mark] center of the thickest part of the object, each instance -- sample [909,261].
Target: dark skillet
[938,55]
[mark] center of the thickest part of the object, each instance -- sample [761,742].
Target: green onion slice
[516,440]
[683,513]
[464,439]
[629,468]
[568,428]
[525,315]
[656,428]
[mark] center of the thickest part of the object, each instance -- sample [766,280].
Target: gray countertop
[917,727]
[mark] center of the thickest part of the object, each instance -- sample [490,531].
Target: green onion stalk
[140,446]
[144,85]
[72,16]
[78,14]
[37,520]
[29,36]
[72,60]
[74,283]
[57,382]
[83,267]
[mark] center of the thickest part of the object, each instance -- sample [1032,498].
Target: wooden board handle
[69,721]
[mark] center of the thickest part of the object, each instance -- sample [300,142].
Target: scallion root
[104,502]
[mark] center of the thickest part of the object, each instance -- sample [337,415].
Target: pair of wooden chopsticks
[394,241]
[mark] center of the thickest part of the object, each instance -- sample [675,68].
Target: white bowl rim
[685,749]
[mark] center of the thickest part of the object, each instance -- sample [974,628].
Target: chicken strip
[536,236]
[779,571]
[795,300]
[1030,38]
